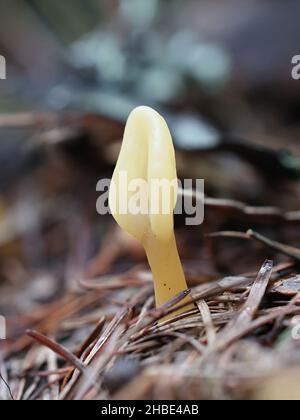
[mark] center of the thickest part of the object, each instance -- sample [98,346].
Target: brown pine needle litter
[109,343]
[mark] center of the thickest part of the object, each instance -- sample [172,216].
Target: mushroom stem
[168,275]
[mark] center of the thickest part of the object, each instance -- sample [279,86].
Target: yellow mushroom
[147,157]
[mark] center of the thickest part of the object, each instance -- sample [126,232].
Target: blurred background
[220,72]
